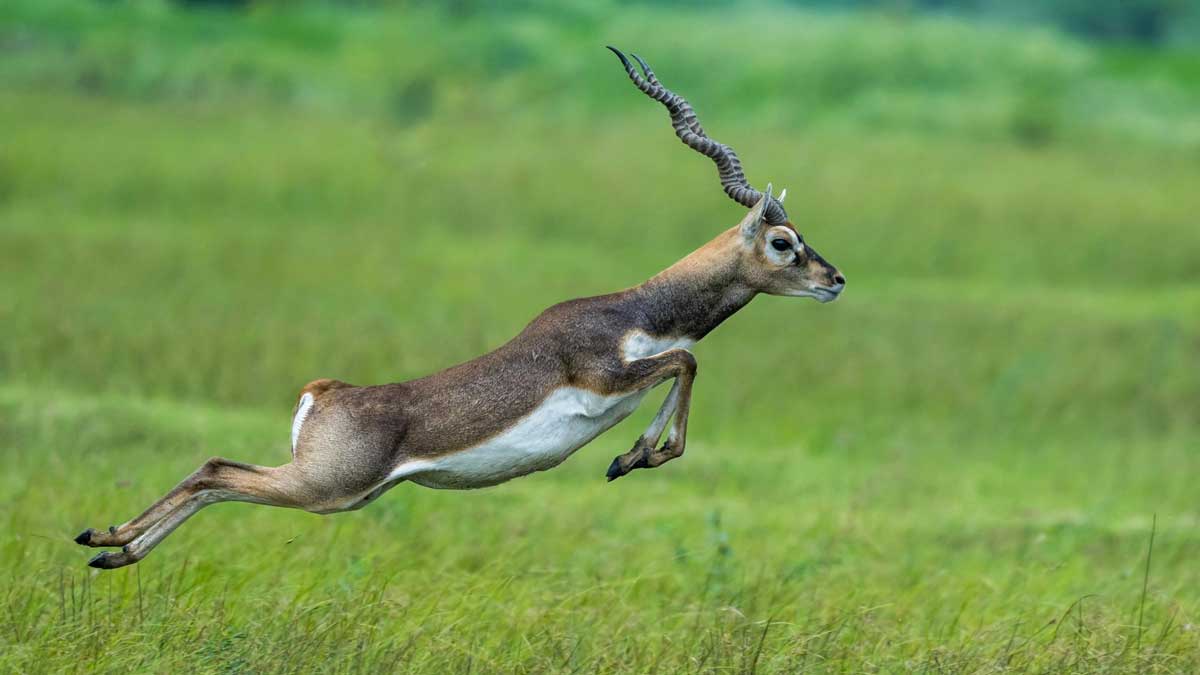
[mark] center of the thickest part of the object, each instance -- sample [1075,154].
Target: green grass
[955,468]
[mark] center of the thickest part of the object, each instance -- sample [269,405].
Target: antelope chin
[821,294]
[824,295]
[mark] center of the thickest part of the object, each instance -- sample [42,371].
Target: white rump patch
[305,407]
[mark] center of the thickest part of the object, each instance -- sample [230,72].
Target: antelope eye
[781,244]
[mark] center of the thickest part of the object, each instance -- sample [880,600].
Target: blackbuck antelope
[578,369]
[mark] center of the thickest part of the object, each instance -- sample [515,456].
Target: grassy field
[963,465]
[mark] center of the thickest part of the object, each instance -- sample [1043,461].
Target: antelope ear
[752,224]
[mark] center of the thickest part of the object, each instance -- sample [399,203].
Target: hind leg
[341,461]
[215,470]
[217,480]
[212,472]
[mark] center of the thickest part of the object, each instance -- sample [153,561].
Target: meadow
[982,458]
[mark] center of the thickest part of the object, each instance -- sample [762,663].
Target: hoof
[110,560]
[614,470]
[85,538]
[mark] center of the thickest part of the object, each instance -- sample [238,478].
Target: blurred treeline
[1145,21]
[982,68]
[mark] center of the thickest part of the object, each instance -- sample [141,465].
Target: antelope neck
[692,297]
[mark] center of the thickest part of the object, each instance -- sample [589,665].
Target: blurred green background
[957,467]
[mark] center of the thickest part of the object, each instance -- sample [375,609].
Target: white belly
[564,422]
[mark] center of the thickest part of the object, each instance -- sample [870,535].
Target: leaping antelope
[578,369]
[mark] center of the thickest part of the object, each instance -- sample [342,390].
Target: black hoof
[614,470]
[85,537]
[111,560]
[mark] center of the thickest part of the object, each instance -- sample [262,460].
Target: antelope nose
[839,279]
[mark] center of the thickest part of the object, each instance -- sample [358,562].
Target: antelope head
[772,256]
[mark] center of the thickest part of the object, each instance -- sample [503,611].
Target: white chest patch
[564,422]
[638,345]
[302,410]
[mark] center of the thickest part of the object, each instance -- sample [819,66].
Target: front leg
[675,363]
